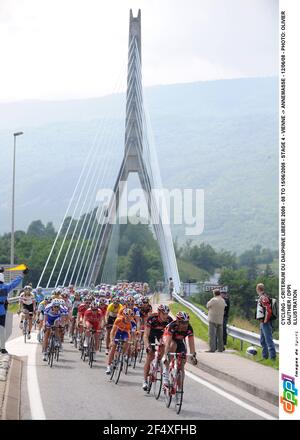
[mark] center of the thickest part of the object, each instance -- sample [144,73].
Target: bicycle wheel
[150,378]
[158,380]
[113,369]
[119,367]
[141,352]
[91,350]
[56,348]
[51,350]
[25,330]
[167,394]
[179,392]
[126,363]
[75,336]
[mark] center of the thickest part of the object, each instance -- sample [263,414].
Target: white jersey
[27,300]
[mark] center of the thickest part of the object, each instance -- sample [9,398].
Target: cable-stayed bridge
[79,253]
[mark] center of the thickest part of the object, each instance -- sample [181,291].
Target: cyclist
[39,297]
[121,330]
[145,309]
[174,341]
[155,326]
[52,316]
[75,305]
[93,319]
[112,311]
[28,305]
[40,315]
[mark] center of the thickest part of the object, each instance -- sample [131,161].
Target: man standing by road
[263,314]
[216,308]
[171,288]
[4,291]
[225,296]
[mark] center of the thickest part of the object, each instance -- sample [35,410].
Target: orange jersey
[122,325]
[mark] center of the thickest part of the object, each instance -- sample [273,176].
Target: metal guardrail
[235,332]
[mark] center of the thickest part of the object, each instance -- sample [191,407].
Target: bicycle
[53,346]
[155,372]
[90,349]
[25,324]
[175,382]
[117,365]
[101,339]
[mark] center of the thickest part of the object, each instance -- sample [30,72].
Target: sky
[69,49]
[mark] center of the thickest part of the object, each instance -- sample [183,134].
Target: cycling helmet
[163,308]
[28,288]
[102,301]
[94,305]
[39,289]
[251,351]
[128,312]
[56,303]
[116,300]
[145,300]
[182,316]
[47,298]
[130,300]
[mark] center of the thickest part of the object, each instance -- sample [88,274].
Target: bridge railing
[235,332]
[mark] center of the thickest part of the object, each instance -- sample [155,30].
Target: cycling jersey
[51,317]
[145,310]
[122,325]
[178,335]
[27,300]
[82,308]
[154,323]
[157,328]
[113,310]
[75,306]
[39,297]
[93,316]
[42,306]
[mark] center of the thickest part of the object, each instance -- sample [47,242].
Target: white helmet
[251,351]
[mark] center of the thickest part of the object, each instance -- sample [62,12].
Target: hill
[220,136]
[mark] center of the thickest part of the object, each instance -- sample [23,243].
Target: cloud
[76,48]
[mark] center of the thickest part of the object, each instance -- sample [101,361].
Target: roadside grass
[13,308]
[201,332]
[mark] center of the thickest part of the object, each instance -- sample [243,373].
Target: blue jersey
[39,297]
[52,316]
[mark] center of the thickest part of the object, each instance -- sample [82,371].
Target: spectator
[171,288]
[263,314]
[216,308]
[225,296]
[1,275]
[4,291]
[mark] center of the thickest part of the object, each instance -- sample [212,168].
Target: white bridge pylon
[137,159]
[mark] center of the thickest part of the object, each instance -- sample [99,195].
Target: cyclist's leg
[173,348]
[181,348]
[45,340]
[30,317]
[149,358]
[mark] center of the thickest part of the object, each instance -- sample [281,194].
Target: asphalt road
[71,390]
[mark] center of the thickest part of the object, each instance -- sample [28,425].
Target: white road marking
[17,347]
[229,397]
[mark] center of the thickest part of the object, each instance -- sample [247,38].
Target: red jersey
[82,309]
[93,317]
